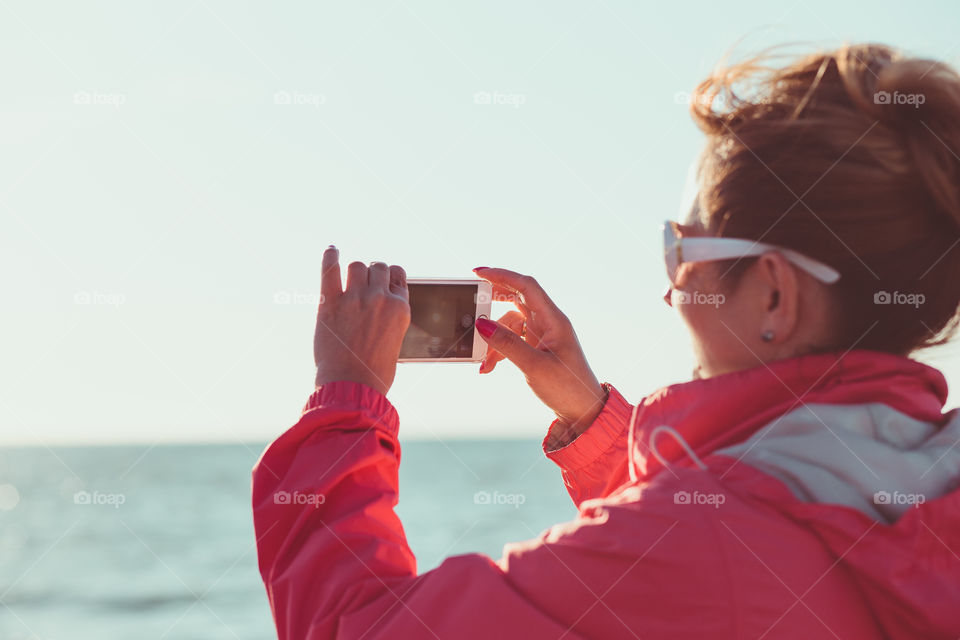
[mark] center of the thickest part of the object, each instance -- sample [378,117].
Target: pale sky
[171,172]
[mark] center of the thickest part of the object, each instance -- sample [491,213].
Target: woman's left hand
[360,328]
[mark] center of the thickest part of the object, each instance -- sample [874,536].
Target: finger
[532,293]
[378,276]
[356,276]
[330,283]
[510,344]
[398,282]
[512,320]
[493,356]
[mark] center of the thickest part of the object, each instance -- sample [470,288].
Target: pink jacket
[813,498]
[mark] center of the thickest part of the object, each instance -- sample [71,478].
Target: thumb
[511,345]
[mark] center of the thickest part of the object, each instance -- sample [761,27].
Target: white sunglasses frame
[678,250]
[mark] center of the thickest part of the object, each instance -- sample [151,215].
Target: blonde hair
[851,156]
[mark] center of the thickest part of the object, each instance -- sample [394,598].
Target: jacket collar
[718,412]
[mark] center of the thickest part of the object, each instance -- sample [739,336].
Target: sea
[140,542]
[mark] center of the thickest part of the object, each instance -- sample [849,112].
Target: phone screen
[441,321]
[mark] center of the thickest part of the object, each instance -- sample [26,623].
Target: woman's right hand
[549,354]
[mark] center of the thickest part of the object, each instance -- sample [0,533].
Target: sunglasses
[679,248]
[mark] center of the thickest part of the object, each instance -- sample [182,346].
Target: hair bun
[920,99]
[909,91]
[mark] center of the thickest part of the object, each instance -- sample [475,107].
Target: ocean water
[157,542]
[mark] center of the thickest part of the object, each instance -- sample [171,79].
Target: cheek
[710,317]
[698,301]
[704,323]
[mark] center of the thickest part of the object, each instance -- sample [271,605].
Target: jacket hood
[865,458]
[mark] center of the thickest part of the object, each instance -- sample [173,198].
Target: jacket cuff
[608,431]
[349,396]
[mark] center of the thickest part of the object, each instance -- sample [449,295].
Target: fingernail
[483,363]
[485,327]
[478,268]
[332,247]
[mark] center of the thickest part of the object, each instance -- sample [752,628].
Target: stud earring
[767,336]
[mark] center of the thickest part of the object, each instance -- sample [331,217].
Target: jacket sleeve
[333,554]
[595,463]
[336,563]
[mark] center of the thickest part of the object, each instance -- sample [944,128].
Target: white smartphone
[442,313]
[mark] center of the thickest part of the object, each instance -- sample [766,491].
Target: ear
[780,288]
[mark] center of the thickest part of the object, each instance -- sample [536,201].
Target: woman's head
[850,157]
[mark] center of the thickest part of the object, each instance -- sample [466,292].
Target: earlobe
[781,290]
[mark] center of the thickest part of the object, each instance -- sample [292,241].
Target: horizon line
[74,444]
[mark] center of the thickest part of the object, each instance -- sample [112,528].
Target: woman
[804,484]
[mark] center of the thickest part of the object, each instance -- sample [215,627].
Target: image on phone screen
[442,321]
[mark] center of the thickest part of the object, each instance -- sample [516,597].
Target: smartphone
[442,313]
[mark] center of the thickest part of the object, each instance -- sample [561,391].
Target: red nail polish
[485,327]
[478,268]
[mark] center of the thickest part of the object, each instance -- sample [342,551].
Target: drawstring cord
[632,442]
[679,439]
